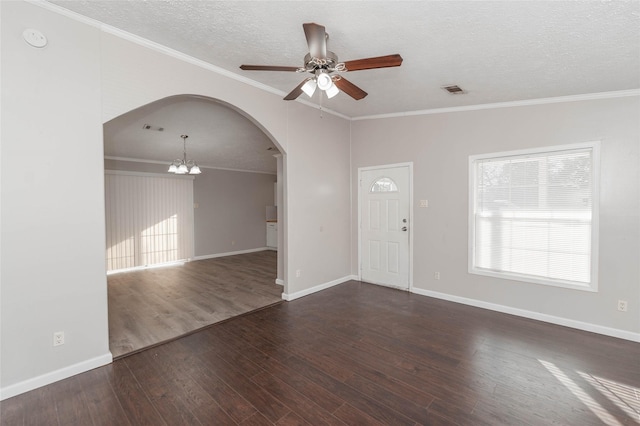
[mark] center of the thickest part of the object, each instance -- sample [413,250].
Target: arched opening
[186,251]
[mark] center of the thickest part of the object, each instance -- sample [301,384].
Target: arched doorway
[237,192]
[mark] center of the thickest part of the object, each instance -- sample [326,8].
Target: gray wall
[231,206]
[54,103]
[52,229]
[440,144]
[231,215]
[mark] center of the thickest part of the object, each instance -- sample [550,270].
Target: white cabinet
[272,235]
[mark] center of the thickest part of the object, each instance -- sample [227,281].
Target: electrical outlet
[436,275]
[58,338]
[622,305]
[424,203]
[297,273]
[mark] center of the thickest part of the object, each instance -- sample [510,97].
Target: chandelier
[184,166]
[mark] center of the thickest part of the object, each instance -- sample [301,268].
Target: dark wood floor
[155,305]
[356,354]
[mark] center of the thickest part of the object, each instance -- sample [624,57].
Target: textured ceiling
[498,51]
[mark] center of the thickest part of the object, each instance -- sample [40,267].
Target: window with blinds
[533,215]
[149,219]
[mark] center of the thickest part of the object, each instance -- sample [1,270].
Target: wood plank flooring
[356,354]
[155,305]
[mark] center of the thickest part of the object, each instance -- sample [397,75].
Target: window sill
[592,287]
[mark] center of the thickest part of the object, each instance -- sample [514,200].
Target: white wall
[321,193]
[315,147]
[440,144]
[232,210]
[55,100]
[52,101]
[52,233]
[231,206]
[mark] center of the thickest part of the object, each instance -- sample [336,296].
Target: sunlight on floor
[624,397]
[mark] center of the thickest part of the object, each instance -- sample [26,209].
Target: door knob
[404,228]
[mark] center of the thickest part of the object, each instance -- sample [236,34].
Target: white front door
[384,225]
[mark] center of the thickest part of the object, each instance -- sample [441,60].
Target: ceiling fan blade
[377,62]
[267,68]
[316,39]
[350,89]
[297,91]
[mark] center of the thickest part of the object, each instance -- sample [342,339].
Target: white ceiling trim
[174,53]
[141,160]
[161,175]
[528,102]
[66,12]
[200,63]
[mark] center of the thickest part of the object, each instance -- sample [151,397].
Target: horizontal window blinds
[532,215]
[149,220]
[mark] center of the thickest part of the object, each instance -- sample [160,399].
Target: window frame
[594,146]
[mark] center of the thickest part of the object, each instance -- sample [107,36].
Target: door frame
[409,166]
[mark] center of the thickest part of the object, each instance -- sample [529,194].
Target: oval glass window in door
[383,184]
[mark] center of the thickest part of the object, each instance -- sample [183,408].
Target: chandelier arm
[184,148]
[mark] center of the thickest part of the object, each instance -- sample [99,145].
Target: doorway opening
[224,266]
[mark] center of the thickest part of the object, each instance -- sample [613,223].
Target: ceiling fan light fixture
[324,80]
[332,91]
[182,169]
[309,87]
[173,168]
[195,170]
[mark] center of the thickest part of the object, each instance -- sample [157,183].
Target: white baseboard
[315,289]
[230,253]
[585,326]
[279,281]
[54,376]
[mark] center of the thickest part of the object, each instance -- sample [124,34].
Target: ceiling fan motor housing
[329,63]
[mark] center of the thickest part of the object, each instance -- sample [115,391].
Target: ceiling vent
[454,90]
[150,127]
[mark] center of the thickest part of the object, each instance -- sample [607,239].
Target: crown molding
[511,104]
[226,73]
[142,160]
[173,53]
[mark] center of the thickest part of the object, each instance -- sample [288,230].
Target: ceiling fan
[322,64]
